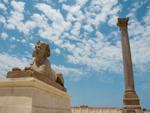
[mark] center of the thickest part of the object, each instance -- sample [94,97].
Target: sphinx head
[42,50]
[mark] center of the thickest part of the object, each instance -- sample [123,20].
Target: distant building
[87,109]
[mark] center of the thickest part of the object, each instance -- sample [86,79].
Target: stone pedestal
[29,95]
[131,102]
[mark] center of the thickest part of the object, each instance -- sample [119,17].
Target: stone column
[131,100]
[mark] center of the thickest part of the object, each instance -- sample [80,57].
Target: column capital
[123,23]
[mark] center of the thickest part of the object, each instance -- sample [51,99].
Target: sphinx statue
[40,68]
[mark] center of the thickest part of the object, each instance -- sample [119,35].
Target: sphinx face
[40,50]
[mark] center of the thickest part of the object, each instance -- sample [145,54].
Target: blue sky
[85,44]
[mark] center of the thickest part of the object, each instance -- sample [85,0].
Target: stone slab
[29,95]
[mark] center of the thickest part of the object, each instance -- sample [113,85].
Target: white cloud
[3,7]
[17,16]
[70,17]
[58,23]
[112,20]
[99,10]
[16,19]
[3,36]
[51,13]
[74,12]
[133,23]
[18,6]
[7,62]
[72,9]
[2,19]
[140,44]
[76,29]
[57,51]
[40,19]
[72,73]
[88,28]
[98,55]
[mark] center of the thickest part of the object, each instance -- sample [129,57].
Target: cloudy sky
[85,44]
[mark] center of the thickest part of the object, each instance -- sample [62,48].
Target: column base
[131,102]
[132,111]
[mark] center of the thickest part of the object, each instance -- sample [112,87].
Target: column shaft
[128,71]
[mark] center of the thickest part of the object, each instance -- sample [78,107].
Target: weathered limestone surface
[29,95]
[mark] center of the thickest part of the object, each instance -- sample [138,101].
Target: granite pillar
[131,100]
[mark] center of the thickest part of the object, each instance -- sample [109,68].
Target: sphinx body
[40,68]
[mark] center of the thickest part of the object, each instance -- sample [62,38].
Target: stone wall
[97,110]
